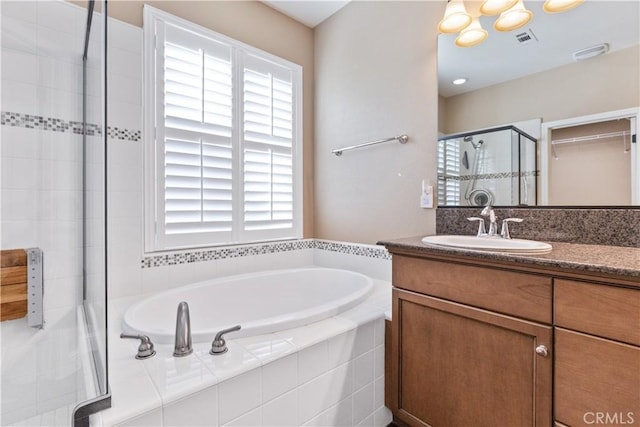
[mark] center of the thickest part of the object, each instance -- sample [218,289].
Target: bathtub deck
[343,353]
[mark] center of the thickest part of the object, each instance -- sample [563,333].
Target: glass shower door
[52,191]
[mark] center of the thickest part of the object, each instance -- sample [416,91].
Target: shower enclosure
[53,196]
[496,166]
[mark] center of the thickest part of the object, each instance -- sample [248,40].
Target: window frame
[154,238]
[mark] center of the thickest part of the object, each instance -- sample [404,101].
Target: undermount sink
[489,244]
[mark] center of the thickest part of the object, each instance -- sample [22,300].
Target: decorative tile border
[262,249]
[52,124]
[498,175]
[124,134]
[353,249]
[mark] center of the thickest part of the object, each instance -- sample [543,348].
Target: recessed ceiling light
[460,81]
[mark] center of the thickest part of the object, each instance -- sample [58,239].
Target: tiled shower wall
[42,198]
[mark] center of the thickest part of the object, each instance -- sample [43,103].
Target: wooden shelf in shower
[13,284]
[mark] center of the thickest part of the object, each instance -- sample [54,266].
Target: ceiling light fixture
[494,7]
[455,18]
[460,81]
[555,6]
[513,15]
[472,35]
[514,18]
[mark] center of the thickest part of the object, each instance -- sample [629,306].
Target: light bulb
[472,35]
[513,18]
[455,18]
[555,6]
[494,7]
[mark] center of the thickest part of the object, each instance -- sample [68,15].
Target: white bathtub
[261,303]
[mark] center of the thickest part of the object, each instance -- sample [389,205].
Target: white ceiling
[500,58]
[309,12]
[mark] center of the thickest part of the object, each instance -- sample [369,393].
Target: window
[223,139]
[448,172]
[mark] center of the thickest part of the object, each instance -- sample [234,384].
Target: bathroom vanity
[489,339]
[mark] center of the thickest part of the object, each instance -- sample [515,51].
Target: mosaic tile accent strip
[353,249]
[498,175]
[262,249]
[52,124]
[123,134]
[224,253]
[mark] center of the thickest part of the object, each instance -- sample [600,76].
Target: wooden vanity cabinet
[476,344]
[457,364]
[597,354]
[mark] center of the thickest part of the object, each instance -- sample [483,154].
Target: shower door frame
[85,409]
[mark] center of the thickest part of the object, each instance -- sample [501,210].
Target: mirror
[530,74]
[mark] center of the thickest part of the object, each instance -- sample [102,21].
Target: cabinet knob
[542,350]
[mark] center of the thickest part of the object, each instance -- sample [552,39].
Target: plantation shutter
[225,146]
[197,134]
[448,173]
[267,146]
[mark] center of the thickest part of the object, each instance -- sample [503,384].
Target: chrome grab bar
[400,138]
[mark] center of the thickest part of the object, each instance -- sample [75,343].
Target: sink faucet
[183,345]
[493,224]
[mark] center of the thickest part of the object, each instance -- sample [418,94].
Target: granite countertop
[612,261]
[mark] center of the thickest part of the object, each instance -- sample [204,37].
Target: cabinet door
[597,381]
[454,365]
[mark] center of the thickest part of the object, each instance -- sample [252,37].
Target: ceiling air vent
[526,37]
[590,52]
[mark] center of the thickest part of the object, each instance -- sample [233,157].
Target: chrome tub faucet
[183,346]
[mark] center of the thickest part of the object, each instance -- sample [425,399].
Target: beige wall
[376,77]
[605,83]
[258,25]
[603,166]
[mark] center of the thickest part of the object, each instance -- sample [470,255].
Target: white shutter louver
[198,127]
[225,139]
[268,142]
[448,173]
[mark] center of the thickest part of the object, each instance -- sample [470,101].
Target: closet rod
[590,137]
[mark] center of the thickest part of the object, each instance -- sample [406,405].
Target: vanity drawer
[519,294]
[606,311]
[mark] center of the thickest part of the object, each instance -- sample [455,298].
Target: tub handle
[219,345]
[145,349]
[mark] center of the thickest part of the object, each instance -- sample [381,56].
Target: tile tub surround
[327,373]
[592,226]
[132,275]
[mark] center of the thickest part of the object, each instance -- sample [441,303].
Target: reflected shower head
[475,145]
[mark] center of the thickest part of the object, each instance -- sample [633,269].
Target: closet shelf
[590,137]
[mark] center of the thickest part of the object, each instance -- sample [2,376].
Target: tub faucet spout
[183,346]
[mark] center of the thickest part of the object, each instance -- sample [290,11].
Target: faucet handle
[481,229]
[504,233]
[145,349]
[219,345]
